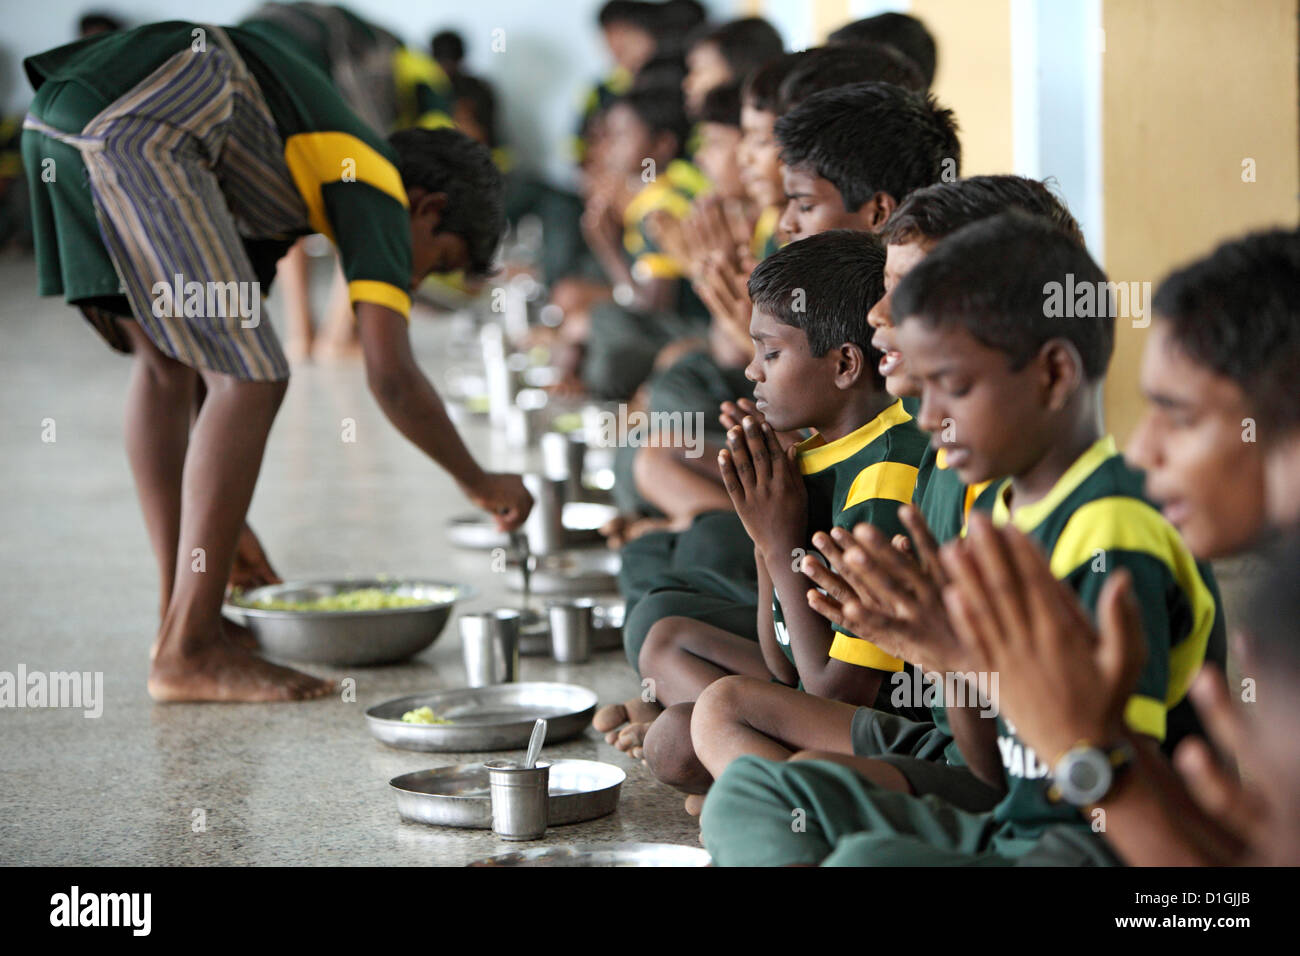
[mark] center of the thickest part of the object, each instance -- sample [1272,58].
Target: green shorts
[770,813]
[706,573]
[917,750]
[622,345]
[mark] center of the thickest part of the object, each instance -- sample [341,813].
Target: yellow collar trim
[1031,516]
[764,229]
[816,454]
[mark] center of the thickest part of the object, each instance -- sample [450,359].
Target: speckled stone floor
[276,784]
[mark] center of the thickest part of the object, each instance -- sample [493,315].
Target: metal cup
[521,799]
[490,642]
[544,528]
[525,419]
[571,627]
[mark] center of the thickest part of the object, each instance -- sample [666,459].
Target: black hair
[1270,615]
[721,105]
[1237,312]
[482,102]
[762,88]
[632,13]
[825,285]
[828,67]
[98,21]
[995,277]
[661,109]
[447,161]
[448,46]
[871,137]
[904,33]
[678,20]
[661,70]
[933,212]
[745,44]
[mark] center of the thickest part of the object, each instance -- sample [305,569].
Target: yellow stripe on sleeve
[1121,523]
[655,265]
[855,650]
[315,159]
[891,480]
[1146,715]
[380,293]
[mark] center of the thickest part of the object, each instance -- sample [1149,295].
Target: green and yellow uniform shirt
[673,191]
[597,99]
[945,503]
[1093,522]
[389,85]
[865,476]
[344,171]
[765,240]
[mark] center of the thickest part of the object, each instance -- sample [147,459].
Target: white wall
[553,51]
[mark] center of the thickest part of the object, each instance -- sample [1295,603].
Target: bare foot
[694,804]
[619,530]
[220,671]
[239,635]
[624,725]
[631,740]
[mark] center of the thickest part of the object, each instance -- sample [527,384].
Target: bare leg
[683,656]
[193,660]
[740,715]
[670,755]
[676,489]
[158,404]
[338,340]
[292,274]
[883,775]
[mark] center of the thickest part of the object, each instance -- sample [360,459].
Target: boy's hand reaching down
[504,497]
[765,486]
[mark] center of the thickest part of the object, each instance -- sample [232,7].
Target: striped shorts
[183,170]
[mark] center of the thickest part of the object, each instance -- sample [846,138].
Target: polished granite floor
[276,784]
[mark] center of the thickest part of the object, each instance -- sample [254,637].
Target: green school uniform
[865,476]
[360,204]
[1093,521]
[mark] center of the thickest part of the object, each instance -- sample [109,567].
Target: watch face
[1083,776]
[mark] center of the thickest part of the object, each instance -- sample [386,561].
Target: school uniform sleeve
[875,496]
[1177,607]
[354,195]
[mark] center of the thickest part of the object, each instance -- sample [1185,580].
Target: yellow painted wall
[1190,88]
[974,76]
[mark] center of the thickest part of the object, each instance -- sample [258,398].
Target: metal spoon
[535,743]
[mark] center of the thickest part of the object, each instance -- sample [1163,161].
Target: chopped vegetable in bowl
[423,715]
[361,599]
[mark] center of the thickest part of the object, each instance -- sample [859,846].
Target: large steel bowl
[346,638]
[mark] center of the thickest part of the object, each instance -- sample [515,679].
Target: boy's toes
[609,717]
[631,738]
[694,804]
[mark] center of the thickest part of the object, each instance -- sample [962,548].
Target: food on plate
[423,715]
[360,599]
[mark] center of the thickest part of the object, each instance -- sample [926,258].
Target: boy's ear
[850,364]
[875,212]
[428,207]
[1063,372]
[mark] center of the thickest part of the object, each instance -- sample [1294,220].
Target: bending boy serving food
[187,156]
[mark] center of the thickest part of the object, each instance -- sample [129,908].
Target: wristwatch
[1085,774]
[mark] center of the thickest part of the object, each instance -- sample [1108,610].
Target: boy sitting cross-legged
[738,715]
[812,369]
[866,147]
[1018,386]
